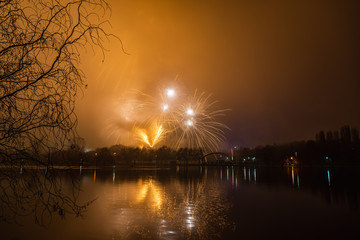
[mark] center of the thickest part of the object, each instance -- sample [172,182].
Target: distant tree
[40,42]
[355,135]
[320,137]
[336,136]
[164,155]
[105,158]
[345,134]
[329,137]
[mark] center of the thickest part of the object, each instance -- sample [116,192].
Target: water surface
[206,203]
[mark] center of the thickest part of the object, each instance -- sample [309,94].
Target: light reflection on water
[193,205]
[183,205]
[201,203]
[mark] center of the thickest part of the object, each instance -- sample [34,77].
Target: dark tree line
[344,148]
[120,155]
[332,147]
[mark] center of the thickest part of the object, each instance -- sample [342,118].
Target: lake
[247,202]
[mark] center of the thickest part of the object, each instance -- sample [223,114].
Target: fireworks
[178,120]
[197,123]
[151,138]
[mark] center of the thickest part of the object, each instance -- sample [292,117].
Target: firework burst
[178,120]
[198,126]
[150,136]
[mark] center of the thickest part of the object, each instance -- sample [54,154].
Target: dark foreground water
[202,203]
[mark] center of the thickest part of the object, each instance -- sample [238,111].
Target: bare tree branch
[40,43]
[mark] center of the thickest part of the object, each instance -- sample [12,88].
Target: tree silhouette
[39,194]
[40,43]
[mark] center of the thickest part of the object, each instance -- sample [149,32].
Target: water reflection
[193,205]
[213,202]
[249,174]
[189,216]
[244,173]
[255,175]
[40,194]
[298,181]
[293,171]
[113,176]
[227,173]
[232,176]
[154,206]
[149,193]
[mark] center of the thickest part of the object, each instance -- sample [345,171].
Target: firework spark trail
[197,123]
[144,137]
[177,120]
[158,135]
[150,136]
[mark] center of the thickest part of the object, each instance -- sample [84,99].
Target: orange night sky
[287,69]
